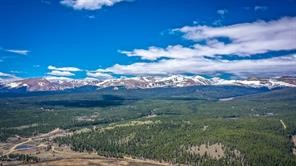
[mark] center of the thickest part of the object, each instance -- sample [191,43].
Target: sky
[103,39]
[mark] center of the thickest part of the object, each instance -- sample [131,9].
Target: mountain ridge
[142,82]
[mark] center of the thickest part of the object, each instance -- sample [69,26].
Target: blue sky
[103,39]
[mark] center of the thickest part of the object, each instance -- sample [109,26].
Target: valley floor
[190,126]
[50,154]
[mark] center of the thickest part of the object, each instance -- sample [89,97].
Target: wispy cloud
[89,4]
[260,8]
[46,2]
[91,17]
[270,66]
[70,69]
[61,73]
[7,76]
[20,52]
[99,74]
[57,78]
[16,71]
[153,53]
[219,21]
[222,11]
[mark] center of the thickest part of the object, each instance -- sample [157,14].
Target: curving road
[15,146]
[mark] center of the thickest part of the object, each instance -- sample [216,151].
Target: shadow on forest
[105,101]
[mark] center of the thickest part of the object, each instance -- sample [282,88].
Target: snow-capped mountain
[55,84]
[156,82]
[257,83]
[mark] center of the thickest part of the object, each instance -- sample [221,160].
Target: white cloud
[153,53]
[222,11]
[69,69]
[57,78]
[7,77]
[89,4]
[91,17]
[242,32]
[99,74]
[16,71]
[60,73]
[217,22]
[20,52]
[258,8]
[244,40]
[247,38]
[270,66]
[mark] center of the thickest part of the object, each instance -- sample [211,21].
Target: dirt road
[19,144]
[284,125]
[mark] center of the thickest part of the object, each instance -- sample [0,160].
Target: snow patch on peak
[275,83]
[269,83]
[14,84]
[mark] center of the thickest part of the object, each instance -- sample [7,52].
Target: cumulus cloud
[89,4]
[244,39]
[20,52]
[248,38]
[209,43]
[61,73]
[153,53]
[99,74]
[69,69]
[270,66]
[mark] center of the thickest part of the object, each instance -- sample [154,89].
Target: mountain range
[142,82]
